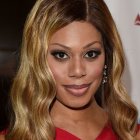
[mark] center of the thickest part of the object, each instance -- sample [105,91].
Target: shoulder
[138,133]
[2,137]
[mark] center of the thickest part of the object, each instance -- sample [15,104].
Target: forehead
[76,33]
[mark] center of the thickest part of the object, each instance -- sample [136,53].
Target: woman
[71,51]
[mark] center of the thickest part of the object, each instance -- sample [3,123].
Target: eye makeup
[92,54]
[59,55]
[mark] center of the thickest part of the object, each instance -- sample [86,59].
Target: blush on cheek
[99,72]
[96,73]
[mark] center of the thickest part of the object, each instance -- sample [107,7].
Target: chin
[78,105]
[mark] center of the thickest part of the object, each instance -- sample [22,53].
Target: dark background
[12,18]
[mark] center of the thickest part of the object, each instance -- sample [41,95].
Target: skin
[2,137]
[80,62]
[138,135]
[76,66]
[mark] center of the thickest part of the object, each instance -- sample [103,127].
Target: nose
[77,68]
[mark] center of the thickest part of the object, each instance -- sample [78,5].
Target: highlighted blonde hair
[33,90]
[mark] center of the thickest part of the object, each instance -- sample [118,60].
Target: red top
[106,134]
[3,132]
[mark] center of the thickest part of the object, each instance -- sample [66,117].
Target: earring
[105,75]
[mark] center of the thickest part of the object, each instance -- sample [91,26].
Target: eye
[92,54]
[59,55]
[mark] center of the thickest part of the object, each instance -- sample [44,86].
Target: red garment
[3,132]
[106,134]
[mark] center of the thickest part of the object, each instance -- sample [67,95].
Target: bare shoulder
[2,137]
[138,135]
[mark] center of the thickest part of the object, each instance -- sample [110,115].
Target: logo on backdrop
[137,20]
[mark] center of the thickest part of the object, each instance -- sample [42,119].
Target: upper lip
[74,86]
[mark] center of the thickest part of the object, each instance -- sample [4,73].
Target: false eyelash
[56,52]
[97,53]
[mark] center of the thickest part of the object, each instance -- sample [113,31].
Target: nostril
[77,68]
[77,75]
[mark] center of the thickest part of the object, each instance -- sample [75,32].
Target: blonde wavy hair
[33,90]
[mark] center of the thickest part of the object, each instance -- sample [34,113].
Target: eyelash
[61,55]
[57,54]
[94,53]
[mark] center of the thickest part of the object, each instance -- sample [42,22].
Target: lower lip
[77,92]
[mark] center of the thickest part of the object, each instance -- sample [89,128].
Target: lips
[77,90]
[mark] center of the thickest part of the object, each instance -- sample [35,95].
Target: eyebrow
[84,47]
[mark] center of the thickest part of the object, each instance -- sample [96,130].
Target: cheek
[96,71]
[58,71]
[96,68]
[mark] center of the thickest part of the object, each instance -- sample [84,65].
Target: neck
[89,113]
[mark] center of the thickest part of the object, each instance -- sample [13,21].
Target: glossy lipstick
[77,90]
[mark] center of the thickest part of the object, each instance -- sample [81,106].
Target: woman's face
[76,58]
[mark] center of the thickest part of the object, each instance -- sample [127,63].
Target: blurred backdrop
[12,17]
[126,14]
